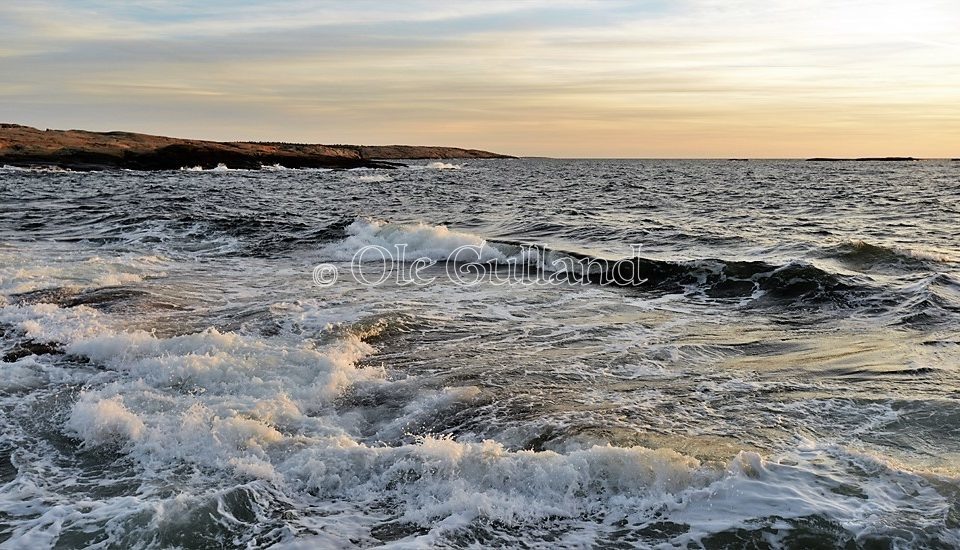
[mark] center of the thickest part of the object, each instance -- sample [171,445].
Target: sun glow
[715,78]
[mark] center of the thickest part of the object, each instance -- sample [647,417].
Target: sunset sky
[686,78]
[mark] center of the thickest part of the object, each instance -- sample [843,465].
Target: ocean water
[779,366]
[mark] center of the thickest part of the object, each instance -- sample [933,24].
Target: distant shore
[23,146]
[863,159]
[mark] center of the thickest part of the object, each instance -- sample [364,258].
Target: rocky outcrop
[81,150]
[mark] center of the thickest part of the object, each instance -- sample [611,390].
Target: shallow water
[784,370]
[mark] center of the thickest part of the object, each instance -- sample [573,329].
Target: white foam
[240,388]
[48,323]
[104,421]
[281,168]
[448,485]
[219,168]
[63,265]
[22,271]
[374,178]
[230,362]
[427,406]
[117,279]
[276,167]
[35,169]
[276,414]
[23,374]
[929,255]
[811,481]
[246,387]
[436,242]
[245,407]
[467,481]
[444,166]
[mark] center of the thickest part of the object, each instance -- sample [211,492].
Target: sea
[516,353]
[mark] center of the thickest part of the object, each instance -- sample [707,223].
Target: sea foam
[444,166]
[436,242]
[263,413]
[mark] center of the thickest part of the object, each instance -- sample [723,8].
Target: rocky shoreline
[26,147]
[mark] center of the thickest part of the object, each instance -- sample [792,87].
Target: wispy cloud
[687,78]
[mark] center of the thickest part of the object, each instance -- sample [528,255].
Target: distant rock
[863,159]
[24,146]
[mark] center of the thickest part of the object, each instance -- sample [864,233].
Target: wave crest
[861,255]
[436,242]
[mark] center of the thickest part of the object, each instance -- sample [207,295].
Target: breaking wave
[444,166]
[246,425]
[35,169]
[170,377]
[436,242]
[797,281]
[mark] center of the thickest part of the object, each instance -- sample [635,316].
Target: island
[26,147]
[864,159]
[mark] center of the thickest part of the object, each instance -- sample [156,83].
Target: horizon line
[732,158]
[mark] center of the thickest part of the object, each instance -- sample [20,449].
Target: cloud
[568,78]
[166,19]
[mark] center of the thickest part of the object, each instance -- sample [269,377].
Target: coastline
[80,150]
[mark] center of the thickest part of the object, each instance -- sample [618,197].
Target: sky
[648,78]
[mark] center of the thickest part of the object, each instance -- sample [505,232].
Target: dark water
[781,368]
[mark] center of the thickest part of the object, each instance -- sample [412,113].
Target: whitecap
[436,242]
[444,166]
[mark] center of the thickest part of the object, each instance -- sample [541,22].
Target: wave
[230,408]
[35,169]
[437,165]
[277,167]
[223,168]
[793,284]
[219,168]
[281,168]
[21,274]
[931,301]
[260,437]
[212,234]
[256,418]
[436,242]
[862,255]
[714,278]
